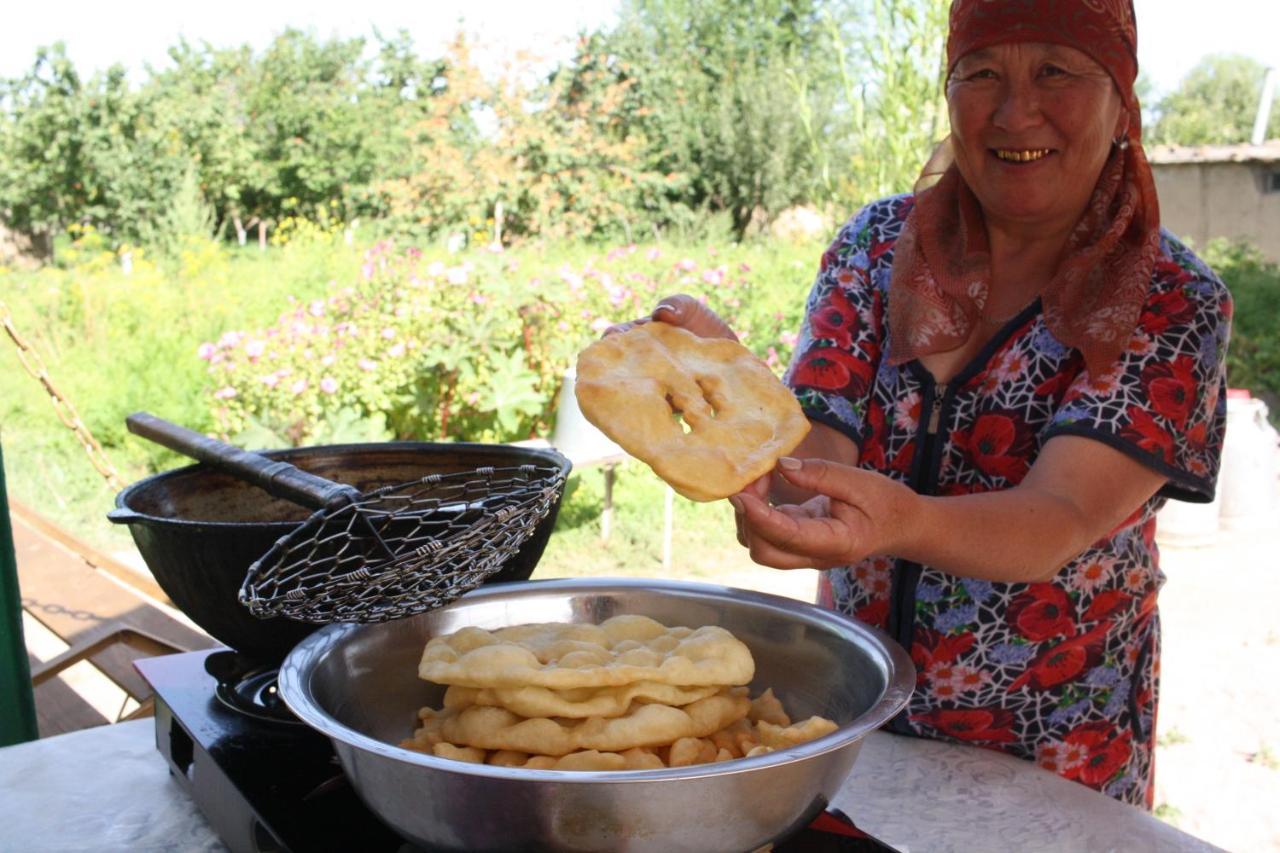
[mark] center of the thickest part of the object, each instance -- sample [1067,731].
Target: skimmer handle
[277,478]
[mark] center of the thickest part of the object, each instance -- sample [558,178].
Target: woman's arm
[1077,492]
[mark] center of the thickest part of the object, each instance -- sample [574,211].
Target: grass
[1171,815]
[1267,757]
[702,535]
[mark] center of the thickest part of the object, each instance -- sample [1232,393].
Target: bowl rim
[123,513]
[298,664]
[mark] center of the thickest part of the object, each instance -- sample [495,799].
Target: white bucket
[1247,483]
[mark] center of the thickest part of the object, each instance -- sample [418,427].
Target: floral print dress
[1064,672]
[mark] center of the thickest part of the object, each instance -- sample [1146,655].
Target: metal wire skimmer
[393,552]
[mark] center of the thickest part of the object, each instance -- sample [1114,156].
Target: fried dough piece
[740,418]
[578,702]
[643,726]
[562,656]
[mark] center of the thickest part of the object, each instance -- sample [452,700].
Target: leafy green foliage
[718,95]
[508,324]
[686,112]
[473,349]
[76,151]
[892,78]
[1253,357]
[1216,103]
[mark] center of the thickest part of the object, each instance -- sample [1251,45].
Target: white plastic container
[1247,483]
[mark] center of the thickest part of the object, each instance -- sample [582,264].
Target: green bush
[487,337]
[470,347]
[1253,358]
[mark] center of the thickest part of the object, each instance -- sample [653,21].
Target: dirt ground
[1218,760]
[1218,754]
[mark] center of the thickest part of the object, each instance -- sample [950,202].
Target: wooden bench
[102,619]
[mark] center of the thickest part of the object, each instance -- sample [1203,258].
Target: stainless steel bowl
[358,684]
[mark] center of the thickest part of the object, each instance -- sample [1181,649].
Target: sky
[1172,34]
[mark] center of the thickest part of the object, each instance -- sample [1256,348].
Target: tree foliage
[684,108]
[1216,104]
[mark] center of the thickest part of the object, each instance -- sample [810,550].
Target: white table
[108,789]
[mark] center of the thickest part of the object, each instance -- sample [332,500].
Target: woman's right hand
[686,312]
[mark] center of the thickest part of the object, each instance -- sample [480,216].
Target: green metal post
[17,703]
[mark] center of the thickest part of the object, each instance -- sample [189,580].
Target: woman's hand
[687,313]
[855,514]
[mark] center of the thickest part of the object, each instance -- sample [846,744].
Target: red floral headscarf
[942,264]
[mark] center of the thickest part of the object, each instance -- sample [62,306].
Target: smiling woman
[1008,372]
[1027,121]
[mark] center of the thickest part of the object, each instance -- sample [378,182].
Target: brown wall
[1201,201]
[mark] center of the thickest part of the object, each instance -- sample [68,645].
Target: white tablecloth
[108,789]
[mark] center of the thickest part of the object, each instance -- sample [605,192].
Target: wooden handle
[277,478]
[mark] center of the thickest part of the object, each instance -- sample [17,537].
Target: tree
[88,152]
[1215,104]
[721,89]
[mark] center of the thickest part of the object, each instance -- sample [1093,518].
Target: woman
[1008,373]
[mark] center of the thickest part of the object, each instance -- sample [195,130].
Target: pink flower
[653,254]
[714,276]
[328,385]
[298,386]
[316,308]
[205,351]
[599,324]
[396,351]
[744,267]
[271,380]
[327,361]
[229,340]
[789,338]
[571,278]
[366,364]
[254,349]
[224,393]
[686,265]
[456,275]
[478,298]
[389,333]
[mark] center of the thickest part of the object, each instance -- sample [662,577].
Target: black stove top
[266,782]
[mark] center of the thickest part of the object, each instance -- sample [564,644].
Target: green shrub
[470,347]
[1253,358]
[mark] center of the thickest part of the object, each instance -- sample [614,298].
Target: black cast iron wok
[199,529]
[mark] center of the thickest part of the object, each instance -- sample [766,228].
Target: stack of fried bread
[627,694]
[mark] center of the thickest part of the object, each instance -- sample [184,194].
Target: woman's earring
[1121,142]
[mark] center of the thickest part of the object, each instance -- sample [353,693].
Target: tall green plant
[892,74]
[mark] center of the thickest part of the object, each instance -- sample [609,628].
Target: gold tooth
[1022,156]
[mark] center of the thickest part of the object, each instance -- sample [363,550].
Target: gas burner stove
[266,782]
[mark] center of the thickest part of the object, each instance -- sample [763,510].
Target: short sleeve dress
[1065,672]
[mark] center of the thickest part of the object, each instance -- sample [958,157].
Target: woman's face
[1031,128]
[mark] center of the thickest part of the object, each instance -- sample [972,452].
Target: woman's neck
[1023,260]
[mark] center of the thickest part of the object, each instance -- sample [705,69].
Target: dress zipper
[924,481]
[935,411]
